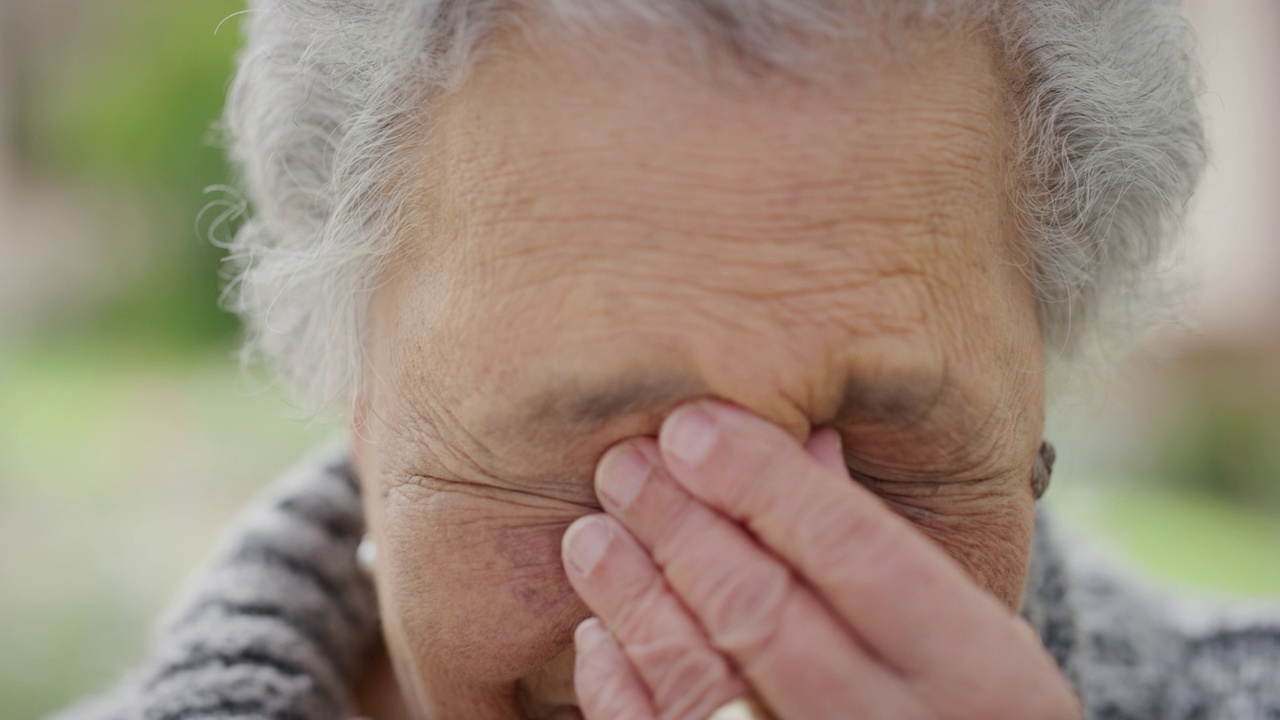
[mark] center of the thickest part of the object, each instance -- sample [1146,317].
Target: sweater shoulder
[1140,651]
[277,623]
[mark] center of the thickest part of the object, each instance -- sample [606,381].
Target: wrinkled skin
[611,236]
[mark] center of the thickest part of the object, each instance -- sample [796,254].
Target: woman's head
[852,218]
[327,115]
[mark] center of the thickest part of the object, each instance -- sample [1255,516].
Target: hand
[734,560]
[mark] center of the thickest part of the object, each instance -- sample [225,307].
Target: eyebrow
[579,401]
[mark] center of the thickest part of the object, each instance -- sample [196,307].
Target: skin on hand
[580,261]
[733,557]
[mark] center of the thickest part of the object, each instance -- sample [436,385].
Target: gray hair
[1110,143]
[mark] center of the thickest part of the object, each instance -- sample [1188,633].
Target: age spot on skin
[529,552]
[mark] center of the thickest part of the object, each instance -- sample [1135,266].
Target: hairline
[362,198]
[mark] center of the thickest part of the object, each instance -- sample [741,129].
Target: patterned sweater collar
[276,626]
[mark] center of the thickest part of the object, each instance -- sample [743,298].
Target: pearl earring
[367,555]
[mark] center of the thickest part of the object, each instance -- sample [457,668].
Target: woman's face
[610,237]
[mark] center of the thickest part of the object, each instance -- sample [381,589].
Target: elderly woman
[694,354]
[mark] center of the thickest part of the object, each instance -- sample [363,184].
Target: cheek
[993,545]
[472,587]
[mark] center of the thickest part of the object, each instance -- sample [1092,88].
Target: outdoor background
[128,436]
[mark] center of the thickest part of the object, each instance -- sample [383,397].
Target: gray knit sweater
[276,627]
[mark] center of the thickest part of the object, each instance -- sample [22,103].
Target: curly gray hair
[1110,142]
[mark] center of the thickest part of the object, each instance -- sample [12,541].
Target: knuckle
[641,616]
[684,674]
[605,687]
[691,684]
[744,609]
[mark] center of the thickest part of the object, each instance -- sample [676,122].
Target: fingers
[749,603]
[682,674]
[735,539]
[825,447]
[882,577]
[606,685]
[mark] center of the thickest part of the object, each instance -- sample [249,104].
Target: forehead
[546,131]
[597,215]
[552,162]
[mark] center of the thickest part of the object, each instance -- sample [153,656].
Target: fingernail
[589,634]
[622,474]
[688,434]
[585,543]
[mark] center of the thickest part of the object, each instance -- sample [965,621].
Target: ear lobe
[824,446]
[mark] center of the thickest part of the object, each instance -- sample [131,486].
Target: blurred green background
[128,436]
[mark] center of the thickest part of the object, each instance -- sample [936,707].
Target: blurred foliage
[1221,437]
[132,113]
[1177,536]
